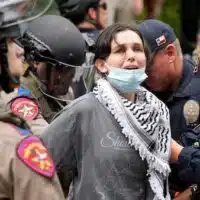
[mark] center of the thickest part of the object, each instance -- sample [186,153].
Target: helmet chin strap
[7,81]
[43,91]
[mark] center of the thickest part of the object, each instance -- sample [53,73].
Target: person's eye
[140,49]
[119,50]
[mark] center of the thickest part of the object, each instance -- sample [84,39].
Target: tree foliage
[170,14]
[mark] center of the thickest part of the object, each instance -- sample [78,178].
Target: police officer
[90,16]
[171,78]
[27,172]
[52,53]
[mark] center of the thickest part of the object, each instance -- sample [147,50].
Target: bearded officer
[171,78]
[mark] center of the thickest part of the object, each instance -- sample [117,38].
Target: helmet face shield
[14,15]
[61,79]
[16,12]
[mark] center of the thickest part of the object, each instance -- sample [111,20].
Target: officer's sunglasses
[103,5]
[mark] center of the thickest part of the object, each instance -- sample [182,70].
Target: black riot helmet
[57,42]
[54,39]
[76,10]
[13,15]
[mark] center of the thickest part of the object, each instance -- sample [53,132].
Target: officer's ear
[171,52]
[92,13]
[100,65]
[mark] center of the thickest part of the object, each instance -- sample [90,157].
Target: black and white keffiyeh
[146,125]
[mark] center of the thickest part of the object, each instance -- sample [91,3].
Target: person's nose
[130,54]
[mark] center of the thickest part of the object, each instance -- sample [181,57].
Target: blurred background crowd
[182,15]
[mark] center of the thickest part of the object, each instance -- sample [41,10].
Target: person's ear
[100,65]
[92,13]
[171,53]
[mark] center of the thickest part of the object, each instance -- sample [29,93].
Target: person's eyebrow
[116,46]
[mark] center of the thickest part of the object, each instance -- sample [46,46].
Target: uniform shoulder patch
[191,111]
[25,107]
[34,154]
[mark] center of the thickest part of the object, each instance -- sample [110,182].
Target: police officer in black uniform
[90,16]
[54,47]
[171,78]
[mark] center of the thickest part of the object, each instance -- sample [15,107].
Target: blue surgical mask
[124,80]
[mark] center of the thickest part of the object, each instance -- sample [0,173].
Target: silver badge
[191,111]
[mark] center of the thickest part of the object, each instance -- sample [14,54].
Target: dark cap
[157,34]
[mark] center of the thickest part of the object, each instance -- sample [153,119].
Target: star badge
[191,111]
[25,108]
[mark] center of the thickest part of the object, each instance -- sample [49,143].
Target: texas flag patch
[33,154]
[161,40]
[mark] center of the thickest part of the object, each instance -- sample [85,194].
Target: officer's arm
[33,173]
[188,159]
[60,137]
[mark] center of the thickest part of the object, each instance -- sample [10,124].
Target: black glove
[189,165]
[195,192]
